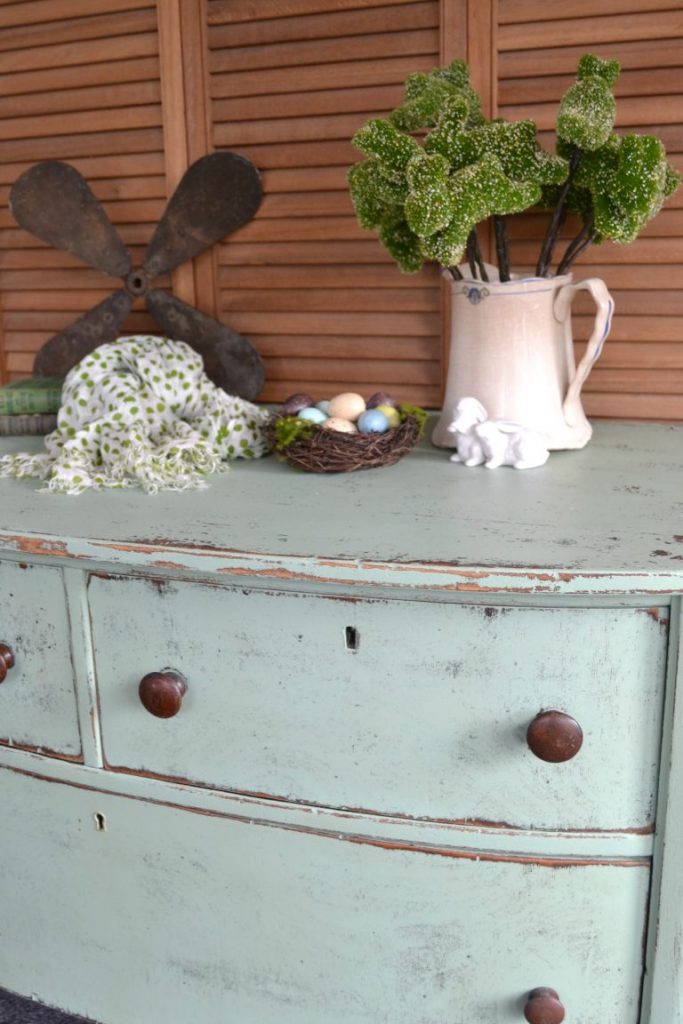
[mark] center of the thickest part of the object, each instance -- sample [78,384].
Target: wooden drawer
[37,697]
[213,920]
[426,717]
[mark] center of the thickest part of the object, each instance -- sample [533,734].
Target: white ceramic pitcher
[511,348]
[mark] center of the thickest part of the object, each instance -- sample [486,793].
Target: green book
[36,394]
[26,423]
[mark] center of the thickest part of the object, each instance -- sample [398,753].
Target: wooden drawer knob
[543,1006]
[6,661]
[554,736]
[162,693]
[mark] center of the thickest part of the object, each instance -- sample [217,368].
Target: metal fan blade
[230,361]
[217,194]
[54,202]
[102,323]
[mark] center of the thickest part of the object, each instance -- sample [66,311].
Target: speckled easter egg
[348,405]
[380,398]
[341,425]
[312,414]
[391,414]
[373,421]
[295,403]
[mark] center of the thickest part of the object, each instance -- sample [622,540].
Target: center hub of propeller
[137,282]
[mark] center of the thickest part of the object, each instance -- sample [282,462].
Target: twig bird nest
[316,449]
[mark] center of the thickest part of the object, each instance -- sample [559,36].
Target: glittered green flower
[588,109]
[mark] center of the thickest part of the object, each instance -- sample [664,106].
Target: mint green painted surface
[283,852]
[37,698]
[606,519]
[171,916]
[427,717]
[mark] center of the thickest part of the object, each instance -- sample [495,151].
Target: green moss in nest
[289,429]
[419,415]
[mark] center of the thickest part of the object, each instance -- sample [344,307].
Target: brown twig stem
[578,245]
[502,250]
[557,218]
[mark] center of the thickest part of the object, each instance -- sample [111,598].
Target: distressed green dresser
[396,747]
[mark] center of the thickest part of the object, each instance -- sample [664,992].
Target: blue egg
[372,421]
[324,405]
[312,414]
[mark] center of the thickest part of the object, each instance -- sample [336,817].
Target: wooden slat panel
[335,300]
[563,59]
[296,54]
[141,70]
[515,11]
[80,83]
[319,296]
[330,76]
[309,104]
[649,82]
[224,12]
[99,27]
[640,373]
[667,408]
[329,24]
[326,276]
[39,11]
[66,100]
[357,347]
[591,31]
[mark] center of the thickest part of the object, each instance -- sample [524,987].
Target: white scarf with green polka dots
[141,412]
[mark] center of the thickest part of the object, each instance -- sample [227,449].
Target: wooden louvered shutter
[132,91]
[640,373]
[78,82]
[319,297]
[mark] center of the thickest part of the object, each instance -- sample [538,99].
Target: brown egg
[295,403]
[380,398]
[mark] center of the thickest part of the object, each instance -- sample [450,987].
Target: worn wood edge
[82,659]
[628,849]
[663,985]
[307,570]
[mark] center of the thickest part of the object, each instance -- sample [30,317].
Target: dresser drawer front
[37,696]
[210,920]
[426,717]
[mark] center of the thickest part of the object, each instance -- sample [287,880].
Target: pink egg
[348,405]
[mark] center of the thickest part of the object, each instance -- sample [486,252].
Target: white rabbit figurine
[494,442]
[469,413]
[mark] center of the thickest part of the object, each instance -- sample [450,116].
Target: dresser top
[607,519]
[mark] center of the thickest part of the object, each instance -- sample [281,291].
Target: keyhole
[352,638]
[100,823]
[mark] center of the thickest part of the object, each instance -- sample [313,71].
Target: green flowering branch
[425,196]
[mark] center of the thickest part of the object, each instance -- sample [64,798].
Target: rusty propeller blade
[230,361]
[54,202]
[217,194]
[102,323]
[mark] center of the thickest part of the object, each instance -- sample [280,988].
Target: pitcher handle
[571,406]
